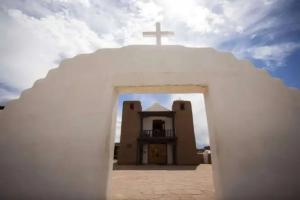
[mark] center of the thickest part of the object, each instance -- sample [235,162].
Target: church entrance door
[157,154]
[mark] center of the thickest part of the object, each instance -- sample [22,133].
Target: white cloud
[274,55]
[82,2]
[195,16]
[37,35]
[30,47]
[6,95]
[118,127]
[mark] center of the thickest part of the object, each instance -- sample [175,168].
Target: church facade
[158,135]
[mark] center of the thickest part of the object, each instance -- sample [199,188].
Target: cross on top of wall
[158,34]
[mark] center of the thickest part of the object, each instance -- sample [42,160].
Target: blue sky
[36,35]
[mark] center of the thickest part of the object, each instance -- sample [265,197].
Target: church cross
[158,34]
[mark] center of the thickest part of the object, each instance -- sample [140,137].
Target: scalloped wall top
[59,134]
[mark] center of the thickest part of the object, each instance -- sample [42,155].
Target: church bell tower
[184,130]
[130,130]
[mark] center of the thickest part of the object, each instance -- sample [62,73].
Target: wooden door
[157,154]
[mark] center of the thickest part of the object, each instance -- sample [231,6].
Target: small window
[131,106]
[182,106]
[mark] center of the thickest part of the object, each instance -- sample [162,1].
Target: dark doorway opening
[158,128]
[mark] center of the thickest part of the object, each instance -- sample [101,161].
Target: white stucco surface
[145,154]
[57,140]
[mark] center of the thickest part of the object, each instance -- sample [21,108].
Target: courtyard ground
[162,182]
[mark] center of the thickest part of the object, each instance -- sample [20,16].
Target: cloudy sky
[36,35]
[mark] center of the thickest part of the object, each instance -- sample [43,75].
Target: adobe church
[49,150]
[158,135]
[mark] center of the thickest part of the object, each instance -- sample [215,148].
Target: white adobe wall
[56,141]
[145,154]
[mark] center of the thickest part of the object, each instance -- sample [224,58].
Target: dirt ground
[162,182]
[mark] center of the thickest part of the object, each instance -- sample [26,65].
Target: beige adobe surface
[163,182]
[56,141]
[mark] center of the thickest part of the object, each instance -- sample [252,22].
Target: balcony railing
[167,133]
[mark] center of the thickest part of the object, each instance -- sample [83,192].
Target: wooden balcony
[158,134]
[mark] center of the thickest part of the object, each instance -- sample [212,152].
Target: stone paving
[162,182]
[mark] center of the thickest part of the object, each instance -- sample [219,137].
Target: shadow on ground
[154,167]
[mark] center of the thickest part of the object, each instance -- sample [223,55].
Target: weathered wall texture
[56,141]
[186,143]
[130,131]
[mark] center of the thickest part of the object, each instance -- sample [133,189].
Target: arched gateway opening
[59,134]
[158,144]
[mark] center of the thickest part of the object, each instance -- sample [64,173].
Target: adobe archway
[58,134]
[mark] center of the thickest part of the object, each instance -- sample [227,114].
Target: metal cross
[158,34]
